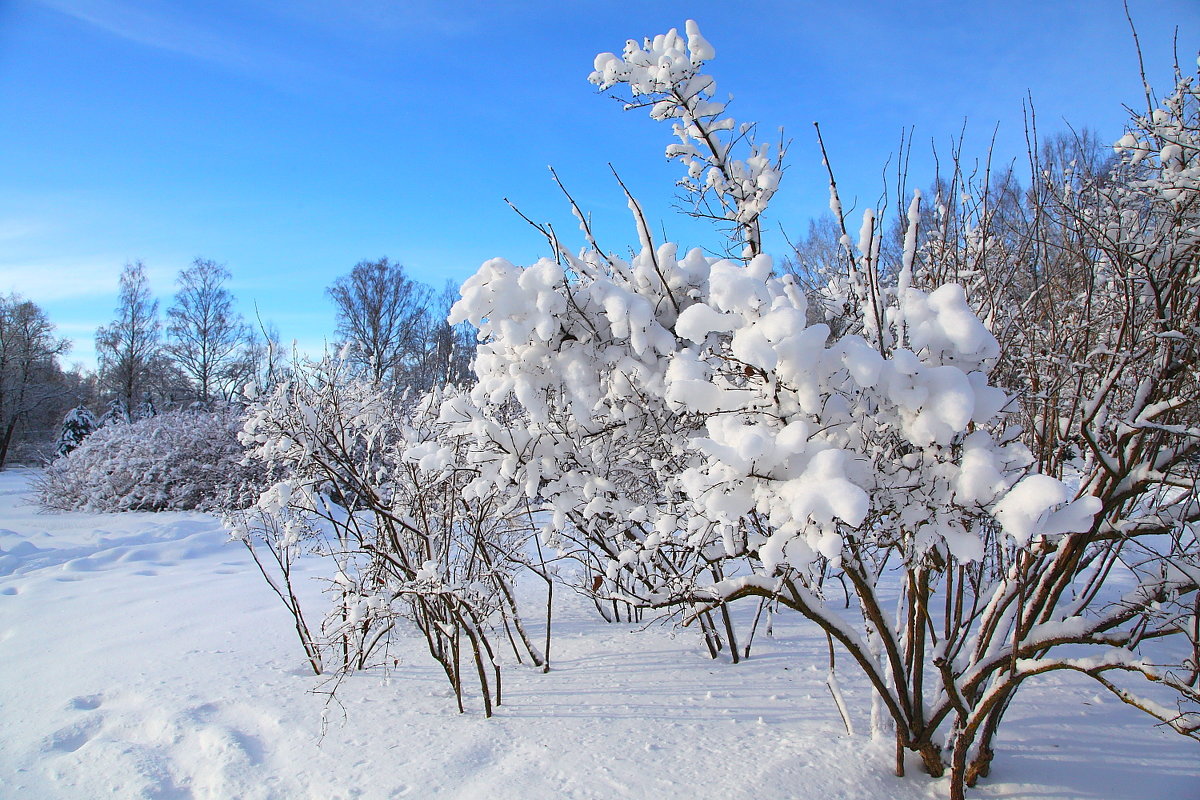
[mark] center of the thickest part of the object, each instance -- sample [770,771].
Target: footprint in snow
[86,702]
[72,737]
[203,713]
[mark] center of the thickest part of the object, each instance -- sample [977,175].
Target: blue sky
[290,139]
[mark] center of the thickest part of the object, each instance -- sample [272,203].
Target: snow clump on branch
[664,74]
[685,405]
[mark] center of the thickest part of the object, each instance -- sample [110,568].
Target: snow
[697,322]
[663,74]
[143,657]
[700,48]
[1025,508]
[942,324]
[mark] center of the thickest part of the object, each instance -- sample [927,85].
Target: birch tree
[381,314]
[206,337]
[127,347]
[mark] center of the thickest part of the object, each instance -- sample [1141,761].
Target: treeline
[203,352]
[34,388]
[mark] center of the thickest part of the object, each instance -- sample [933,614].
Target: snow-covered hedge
[177,461]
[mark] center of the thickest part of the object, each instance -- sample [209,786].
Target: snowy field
[142,656]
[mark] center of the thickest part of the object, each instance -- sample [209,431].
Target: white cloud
[164,27]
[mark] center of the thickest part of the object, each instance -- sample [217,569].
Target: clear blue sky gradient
[290,139]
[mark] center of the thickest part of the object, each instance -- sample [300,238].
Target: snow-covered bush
[77,425]
[375,485]
[1093,290]
[680,426]
[180,460]
[691,438]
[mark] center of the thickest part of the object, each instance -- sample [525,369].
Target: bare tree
[207,338]
[127,346]
[815,263]
[444,351]
[28,370]
[381,315]
[266,359]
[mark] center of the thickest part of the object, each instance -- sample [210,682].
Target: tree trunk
[6,440]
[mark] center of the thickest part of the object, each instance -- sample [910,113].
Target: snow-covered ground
[142,656]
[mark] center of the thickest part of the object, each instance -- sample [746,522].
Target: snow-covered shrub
[680,426]
[1088,278]
[77,425]
[1095,293]
[694,440]
[180,460]
[375,485]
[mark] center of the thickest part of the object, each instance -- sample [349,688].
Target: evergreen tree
[79,424]
[146,409]
[117,413]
